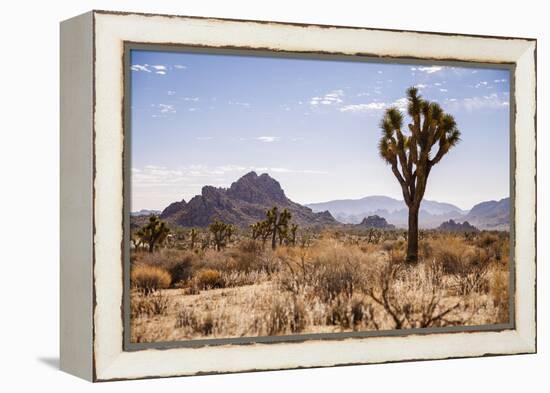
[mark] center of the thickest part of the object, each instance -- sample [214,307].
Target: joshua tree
[154,233]
[193,233]
[265,231]
[136,241]
[292,236]
[229,231]
[256,230]
[221,232]
[278,224]
[410,152]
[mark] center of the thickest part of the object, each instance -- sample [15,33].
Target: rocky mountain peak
[243,203]
[257,189]
[453,226]
[375,221]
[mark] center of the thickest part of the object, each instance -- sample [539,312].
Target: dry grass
[149,278]
[339,282]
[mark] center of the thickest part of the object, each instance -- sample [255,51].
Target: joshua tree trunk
[412,244]
[410,152]
[274,239]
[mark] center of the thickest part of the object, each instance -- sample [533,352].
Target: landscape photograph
[284,196]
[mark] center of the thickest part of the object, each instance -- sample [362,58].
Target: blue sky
[203,119]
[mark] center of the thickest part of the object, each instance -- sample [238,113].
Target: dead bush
[180,264]
[209,279]
[151,305]
[200,323]
[500,294]
[286,315]
[147,278]
[349,313]
[411,302]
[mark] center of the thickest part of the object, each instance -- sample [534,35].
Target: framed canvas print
[245,195]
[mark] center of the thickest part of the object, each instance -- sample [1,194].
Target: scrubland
[329,281]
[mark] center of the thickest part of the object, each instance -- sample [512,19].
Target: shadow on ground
[52,362]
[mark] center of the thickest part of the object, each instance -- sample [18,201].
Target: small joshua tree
[193,234]
[154,233]
[278,224]
[410,152]
[256,230]
[292,236]
[221,232]
[265,231]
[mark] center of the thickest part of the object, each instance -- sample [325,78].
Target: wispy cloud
[427,70]
[166,108]
[162,110]
[158,178]
[492,101]
[140,67]
[239,103]
[330,98]
[375,106]
[159,69]
[372,106]
[268,139]
[481,84]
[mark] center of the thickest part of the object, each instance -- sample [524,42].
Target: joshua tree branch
[402,182]
[439,155]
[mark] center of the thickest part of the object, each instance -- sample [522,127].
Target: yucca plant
[154,233]
[410,152]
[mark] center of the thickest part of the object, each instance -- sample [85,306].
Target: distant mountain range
[490,214]
[242,204]
[145,212]
[485,215]
[248,198]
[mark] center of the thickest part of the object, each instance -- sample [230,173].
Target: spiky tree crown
[412,153]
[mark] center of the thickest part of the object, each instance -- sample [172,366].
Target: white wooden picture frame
[92,194]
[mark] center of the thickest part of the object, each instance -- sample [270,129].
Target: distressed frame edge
[528,340]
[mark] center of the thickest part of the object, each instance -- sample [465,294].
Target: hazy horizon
[202,119]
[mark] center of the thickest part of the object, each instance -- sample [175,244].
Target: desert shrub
[180,264]
[154,304]
[500,294]
[147,278]
[214,260]
[332,281]
[182,270]
[410,300]
[451,261]
[209,279]
[239,279]
[202,323]
[468,268]
[425,250]
[348,313]
[285,315]
[249,256]
[486,239]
